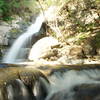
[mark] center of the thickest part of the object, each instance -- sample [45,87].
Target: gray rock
[3,34]
[43,48]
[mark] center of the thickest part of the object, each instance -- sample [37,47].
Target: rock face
[79,24]
[3,34]
[9,31]
[71,54]
[4,29]
[43,48]
[71,51]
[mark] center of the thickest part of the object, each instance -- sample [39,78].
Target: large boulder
[43,48]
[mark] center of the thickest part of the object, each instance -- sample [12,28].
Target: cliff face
[9,31]
[78,23]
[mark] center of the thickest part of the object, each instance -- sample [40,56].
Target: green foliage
[80,38]
[96,41]
[47,3]
[15,7]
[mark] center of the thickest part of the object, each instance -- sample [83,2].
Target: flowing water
[66,86]
[15,50]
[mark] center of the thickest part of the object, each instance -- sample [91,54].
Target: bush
[15,7]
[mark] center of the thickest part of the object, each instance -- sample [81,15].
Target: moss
[96,40]
[15,32]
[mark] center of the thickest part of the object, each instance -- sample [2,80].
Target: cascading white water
[62,86]
[14,51]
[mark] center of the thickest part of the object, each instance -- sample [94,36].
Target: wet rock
[87,92]
[19,84]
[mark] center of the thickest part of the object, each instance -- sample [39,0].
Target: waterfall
[15,50]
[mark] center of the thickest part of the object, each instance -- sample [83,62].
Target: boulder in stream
[43,48]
